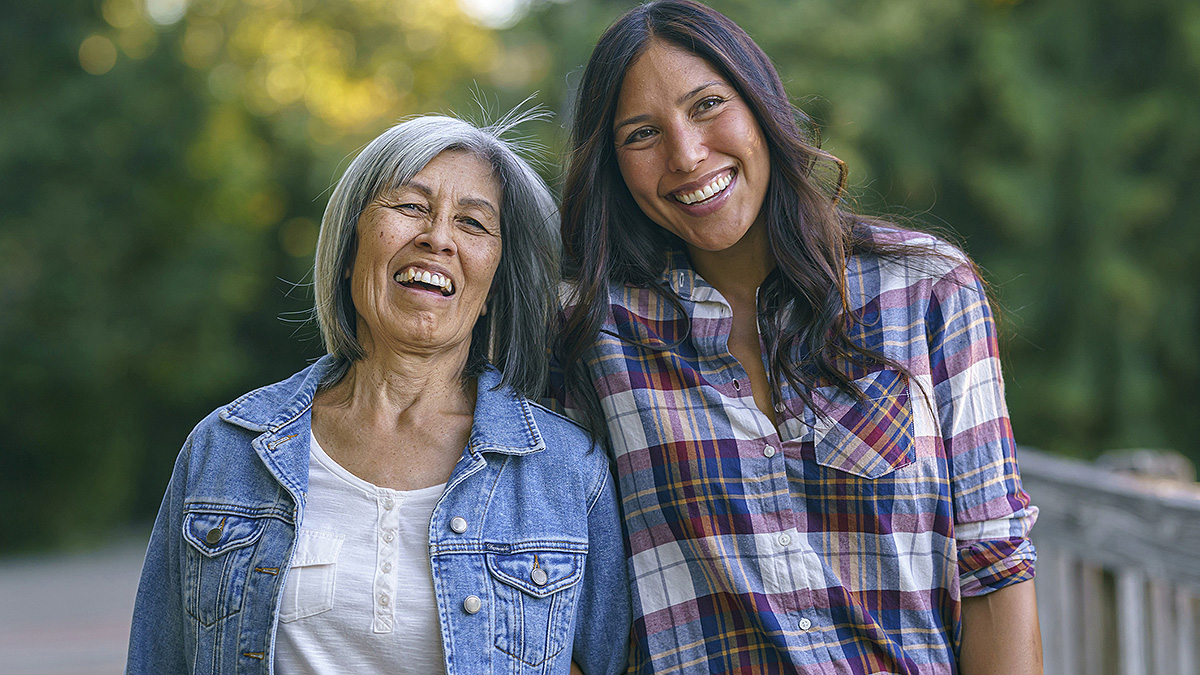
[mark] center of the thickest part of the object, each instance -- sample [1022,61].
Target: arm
[156,637]
[603,617]
[1000,633]
[993,514]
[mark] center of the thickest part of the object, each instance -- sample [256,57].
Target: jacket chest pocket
[220,549]
[535,602]
[869,438]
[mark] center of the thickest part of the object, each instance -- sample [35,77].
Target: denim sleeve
[156,637]
[603,617]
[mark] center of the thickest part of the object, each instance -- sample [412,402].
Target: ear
[483,310]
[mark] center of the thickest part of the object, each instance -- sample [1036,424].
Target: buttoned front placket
[790,567]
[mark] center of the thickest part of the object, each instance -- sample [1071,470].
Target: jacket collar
[503,421]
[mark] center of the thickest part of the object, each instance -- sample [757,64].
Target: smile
[418,278]
[716,187]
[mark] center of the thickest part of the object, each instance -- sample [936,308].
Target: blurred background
[165,164]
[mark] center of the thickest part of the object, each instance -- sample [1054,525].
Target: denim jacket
[526,485]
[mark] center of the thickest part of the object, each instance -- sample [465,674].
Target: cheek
[638,178]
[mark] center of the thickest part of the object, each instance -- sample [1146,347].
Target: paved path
[68,615]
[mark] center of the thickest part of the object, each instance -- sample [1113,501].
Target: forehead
[460,170]
[661,75]
[456,170]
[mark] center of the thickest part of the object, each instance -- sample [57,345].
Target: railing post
[1131,621]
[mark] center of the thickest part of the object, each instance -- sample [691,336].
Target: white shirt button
[387,567]
[388,504]
[769,451]
[383,601]
[779,407]
[785,539]
[388,536]
[458,524]
[472,604]
[805,624]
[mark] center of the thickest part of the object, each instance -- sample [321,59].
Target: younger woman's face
[690,150]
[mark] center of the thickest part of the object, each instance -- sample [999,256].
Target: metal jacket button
[472,604]
[458,524]
[213,536]
[539,576]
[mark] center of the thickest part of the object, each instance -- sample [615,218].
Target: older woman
[400,506]
[805,405]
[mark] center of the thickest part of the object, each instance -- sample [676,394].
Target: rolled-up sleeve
[993,514]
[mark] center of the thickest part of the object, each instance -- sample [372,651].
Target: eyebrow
[679,101]
[465,201]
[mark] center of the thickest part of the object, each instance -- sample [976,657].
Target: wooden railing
[1118,573]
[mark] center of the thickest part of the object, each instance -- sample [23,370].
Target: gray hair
[514,333]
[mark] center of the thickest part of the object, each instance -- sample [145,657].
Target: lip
[709,206]
[427,267]
[699,182]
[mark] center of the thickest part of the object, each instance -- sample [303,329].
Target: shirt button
[769,451]
[388,536]
[387,567]
[472,604]
[785,539]
[458,524]
[779,407]
[388,504]
[805,624]
[383,601]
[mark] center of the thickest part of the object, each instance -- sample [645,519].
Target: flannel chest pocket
[868,438]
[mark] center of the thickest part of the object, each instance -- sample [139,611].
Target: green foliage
[157,213]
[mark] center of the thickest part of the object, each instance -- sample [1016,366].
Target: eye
[708,103]
[410,208]
[640,134]
[473,224]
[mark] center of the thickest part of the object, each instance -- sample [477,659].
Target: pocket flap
[561,570]
[214,534]
[316,548]
[868,438]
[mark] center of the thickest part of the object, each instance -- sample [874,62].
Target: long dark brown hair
[608,239]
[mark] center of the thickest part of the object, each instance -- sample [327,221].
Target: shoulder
[562,428]
[264,408]
[569,447]
[905,262]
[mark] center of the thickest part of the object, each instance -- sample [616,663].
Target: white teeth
[707,191]
[411,274]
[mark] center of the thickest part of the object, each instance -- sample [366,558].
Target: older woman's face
[427,252]
[689,149]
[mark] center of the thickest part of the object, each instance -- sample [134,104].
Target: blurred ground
[68,614]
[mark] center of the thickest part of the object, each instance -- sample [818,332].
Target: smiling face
[427,252]
[691,152]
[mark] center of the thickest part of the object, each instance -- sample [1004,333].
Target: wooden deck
[1118,575]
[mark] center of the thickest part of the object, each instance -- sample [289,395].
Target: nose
[686,148]
[438,235]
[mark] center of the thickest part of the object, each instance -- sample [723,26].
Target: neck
[388,388]
[739,270]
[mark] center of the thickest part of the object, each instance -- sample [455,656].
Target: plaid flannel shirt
[838,543]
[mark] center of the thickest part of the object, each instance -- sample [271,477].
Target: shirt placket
[387,551]
[789,566]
